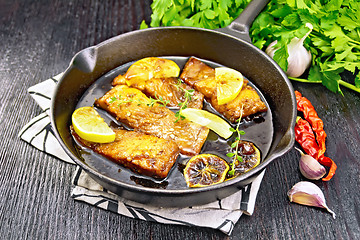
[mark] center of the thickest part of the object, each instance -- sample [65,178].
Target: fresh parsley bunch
[334,41]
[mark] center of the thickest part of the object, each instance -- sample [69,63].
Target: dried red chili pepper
[304,134]
[305,106]
[329,163]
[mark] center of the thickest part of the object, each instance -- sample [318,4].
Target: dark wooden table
[38,39]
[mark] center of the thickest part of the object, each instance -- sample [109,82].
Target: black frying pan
[229,46]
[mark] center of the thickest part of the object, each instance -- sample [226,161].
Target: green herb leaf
[188,97]
[143,25]
[232,171]
[314,74]
[357,80]
[113,99]
[281,55]
[230,154]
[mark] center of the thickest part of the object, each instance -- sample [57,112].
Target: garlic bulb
[307,193]
[310,167]
[299,58]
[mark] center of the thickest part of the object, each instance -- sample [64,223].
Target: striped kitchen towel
[221,215]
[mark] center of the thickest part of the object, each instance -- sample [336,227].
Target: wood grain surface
[38,39]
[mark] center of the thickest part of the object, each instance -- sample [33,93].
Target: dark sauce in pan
[258,129]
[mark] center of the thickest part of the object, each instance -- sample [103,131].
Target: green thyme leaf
[230,154]
[113,99]
[188,97]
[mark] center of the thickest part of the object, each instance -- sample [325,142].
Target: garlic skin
[307,193]
[309,167]
[299,58]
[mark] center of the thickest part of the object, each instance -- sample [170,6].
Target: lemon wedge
[210,120]
[90,126]
[151,67]
[228,84]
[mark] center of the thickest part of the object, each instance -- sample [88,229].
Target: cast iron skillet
[228,46]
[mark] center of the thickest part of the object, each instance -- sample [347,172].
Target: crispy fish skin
[142,153]
[169,89]
[133,109]
[202,77]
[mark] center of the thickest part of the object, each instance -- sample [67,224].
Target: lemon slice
[90,126]
[250,156]
[151,67]
[205,118]
[205,170]
[229,84]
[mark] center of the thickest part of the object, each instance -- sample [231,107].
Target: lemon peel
[228,84]
[90,126]
[151,67]
[210,120]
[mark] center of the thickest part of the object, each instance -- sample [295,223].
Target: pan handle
[85,60]
[240,26]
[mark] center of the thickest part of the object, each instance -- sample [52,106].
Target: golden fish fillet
[199,76]
[202,77]
[142,153]
[134,108]
[171,89]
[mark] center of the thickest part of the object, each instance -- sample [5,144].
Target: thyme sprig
[157,100]
[234,155]
[188,93]
[119,100]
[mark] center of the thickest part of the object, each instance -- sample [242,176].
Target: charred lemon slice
[90,126]
[205,170]
[151,67]
[250,158]
[228,84]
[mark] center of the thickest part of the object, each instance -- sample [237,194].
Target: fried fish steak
[202,78]
[135,109]
[172,90]
[145,154]
[248,101]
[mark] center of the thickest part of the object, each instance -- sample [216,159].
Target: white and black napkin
[221,215]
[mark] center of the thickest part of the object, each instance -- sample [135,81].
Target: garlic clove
[307,193]
[270,50]
[310,167]
[299,58]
